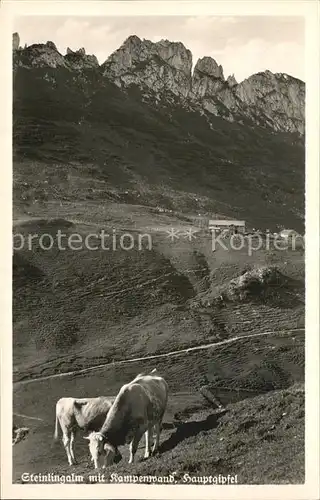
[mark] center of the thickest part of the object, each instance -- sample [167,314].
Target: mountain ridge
[82,51]
[94,140]
[163,70]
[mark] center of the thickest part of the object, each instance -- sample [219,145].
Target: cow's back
[141,401]
[64,406]
[91,413]
[152,394]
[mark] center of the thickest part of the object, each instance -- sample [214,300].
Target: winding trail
[27,416]
[158,356]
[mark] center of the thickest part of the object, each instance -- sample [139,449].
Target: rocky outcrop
[41,55]
[163,72]
[280,97]
[265,99]
[163,66]
[46,55]
[207,77]
[207,81]
[15,41]
[231,81]
[208,67]
[79,59]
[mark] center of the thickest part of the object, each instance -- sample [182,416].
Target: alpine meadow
[158,223]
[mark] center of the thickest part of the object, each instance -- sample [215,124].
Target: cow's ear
[86,437]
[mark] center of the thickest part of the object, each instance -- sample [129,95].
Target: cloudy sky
[243,45]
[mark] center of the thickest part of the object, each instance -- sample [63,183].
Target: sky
[243,45]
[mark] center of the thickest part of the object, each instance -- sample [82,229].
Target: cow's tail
[56,429]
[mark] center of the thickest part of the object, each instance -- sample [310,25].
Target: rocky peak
[231,81]
[160,66]
[132,41]
[162,71]
[15,41]
[207,78]
[176,55]
[40,55]
[135,50]
[280,99]
[47,55]
[79,59]
[209,68]
[51,46]
[81,51]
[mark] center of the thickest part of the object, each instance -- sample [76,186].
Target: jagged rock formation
[162,66]
[44,55]
[40,55]
[266,99]
[232,81]
[280,98]
[163,72]
[80,60]
[15,41]
[207,81]
[207,77]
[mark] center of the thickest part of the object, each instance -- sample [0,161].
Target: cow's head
[100,449]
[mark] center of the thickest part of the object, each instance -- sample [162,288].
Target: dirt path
[158,356]
[27,416]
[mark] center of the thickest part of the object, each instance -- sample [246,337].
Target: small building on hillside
[232,226]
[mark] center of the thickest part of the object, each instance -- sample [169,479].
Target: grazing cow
[138,409]
[85,413]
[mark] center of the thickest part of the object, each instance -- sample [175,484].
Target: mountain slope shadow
[24,272]
[188,429]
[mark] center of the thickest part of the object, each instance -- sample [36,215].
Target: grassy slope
[261,439]
[73,140]
[109,305]
[75,309]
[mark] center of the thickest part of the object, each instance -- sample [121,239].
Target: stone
[51,45]
[232,81]
[15,41]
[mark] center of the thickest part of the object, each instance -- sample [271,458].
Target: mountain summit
[163,73]
[148,127]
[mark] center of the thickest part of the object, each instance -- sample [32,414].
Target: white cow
[85,413]
[138,409]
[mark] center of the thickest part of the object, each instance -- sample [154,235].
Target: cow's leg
[134,445]
[148,436]
[66,444]
[157,428]
[72,437]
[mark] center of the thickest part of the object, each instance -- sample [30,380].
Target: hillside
[269,430]
[111,305]
[144,145]
[73,141]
